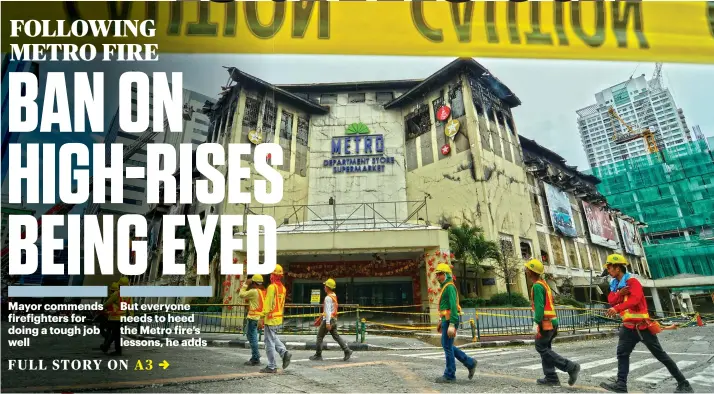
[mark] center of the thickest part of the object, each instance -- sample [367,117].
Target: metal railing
[347,216]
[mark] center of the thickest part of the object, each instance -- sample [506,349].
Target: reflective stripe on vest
[277,311]
[261,298]
[633,317]
[549,305]
[447,312]
[334,306]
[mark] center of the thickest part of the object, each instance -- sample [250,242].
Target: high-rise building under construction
[640,103]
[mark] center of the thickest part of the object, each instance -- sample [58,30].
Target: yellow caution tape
[670,31]
[401,327]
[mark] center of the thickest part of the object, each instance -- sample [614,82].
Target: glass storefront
[392,292]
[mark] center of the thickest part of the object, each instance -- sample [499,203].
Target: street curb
[356,346]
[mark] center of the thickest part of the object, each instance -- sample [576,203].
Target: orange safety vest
[549,306]
[255,313]
[630,317]
[277,311]
[115,309]
[334,310]
[447,312]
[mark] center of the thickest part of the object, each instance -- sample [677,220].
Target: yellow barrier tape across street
[669,31]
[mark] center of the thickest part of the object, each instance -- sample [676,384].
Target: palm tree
[470,247]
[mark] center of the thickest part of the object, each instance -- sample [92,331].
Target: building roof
[301,103]
[350,86]
[534,147]
[447,72]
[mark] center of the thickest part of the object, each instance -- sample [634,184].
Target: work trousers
[322,331]
[273,345]
[549,358]
[114,336]
[451,352]
[628,340]
[251,331]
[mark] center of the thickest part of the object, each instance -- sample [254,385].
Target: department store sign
[358,151]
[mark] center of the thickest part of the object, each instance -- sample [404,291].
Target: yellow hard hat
[443,268]
[536,266]
[114,286]
[330,283]
[124,281]
[616,259]
[257,278]
[278,270]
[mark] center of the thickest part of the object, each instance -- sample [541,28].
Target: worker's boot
[268,370]
[548,382]
[348,354]
[442,379]
[684,387]
[574,374]
[252,362]
[614,387]
[316,357]
[472,370]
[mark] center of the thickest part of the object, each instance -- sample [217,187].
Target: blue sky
[551,91]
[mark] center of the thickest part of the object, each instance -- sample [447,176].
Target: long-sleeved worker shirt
[539,295]
[329,307]
[252,296]
[269,304]
[448,301]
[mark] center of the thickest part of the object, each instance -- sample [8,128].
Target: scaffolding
[673,193]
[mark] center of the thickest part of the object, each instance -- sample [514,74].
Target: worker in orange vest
[545,328]
[273,318]
[628,299]
[254,292]
[329,323]
[449,311]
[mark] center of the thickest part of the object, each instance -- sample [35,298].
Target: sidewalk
[383,342]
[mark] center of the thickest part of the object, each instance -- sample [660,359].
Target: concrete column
[657,304]
[688,300]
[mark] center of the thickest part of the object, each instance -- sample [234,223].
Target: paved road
[219,369]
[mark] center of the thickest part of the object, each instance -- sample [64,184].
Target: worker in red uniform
[628,300]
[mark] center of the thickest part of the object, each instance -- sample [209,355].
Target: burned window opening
[328,98]
[252,108]
[417,122]
[509,124]
[268,127]
[356,97]
[436,104]
[526,251]
[486,96]
[303,129]
[456,97]
[286,126]
[491,116]
[499,118]
[384,97]
[231,114]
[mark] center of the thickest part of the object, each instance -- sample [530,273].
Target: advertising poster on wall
[599,225]
[561,214]
[629,238]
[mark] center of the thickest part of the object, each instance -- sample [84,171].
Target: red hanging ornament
[235,259]
[445,149]
[269,156]
[452,255]
[443,113]
[230,308]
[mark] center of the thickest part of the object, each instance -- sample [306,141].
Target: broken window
[436,104]
[252,108]
[286,126]
[384,97]
[303,130]
[268,128]
[506,244]
[330,98]
[355,97]
[526,249]
[456,97]
[510,126]
[417,122]
[231,113]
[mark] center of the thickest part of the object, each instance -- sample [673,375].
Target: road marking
[516,362]
[479,355]
[349,365]
[577,387]
[662,373]
[540,366]
[696,338]
[441,353]
[705,377]
[633,367]
[137,383]
[324,358]
[594,364]
[678,354]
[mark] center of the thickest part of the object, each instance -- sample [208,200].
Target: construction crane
[632,134]
[64,208]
